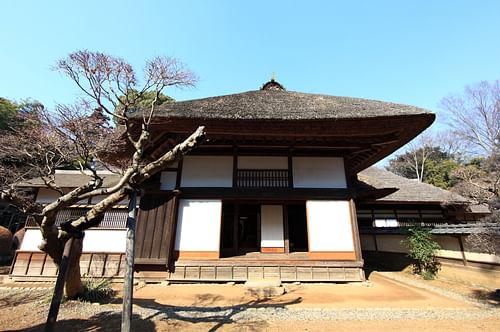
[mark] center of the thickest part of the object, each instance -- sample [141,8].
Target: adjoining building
[276,191]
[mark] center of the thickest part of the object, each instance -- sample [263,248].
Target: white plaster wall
[479,257]
[105,240]
[198,225]
[272,226]
[450,248]
[168,180]
[318,172]
[95,240]
[449,254]
[32,238]
[255,162]
[207,171]
[329,226]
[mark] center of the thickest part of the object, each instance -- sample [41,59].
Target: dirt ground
[380,292]
[391,299]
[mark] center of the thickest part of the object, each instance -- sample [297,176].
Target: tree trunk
[74,286]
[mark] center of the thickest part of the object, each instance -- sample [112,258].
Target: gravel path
[284,314]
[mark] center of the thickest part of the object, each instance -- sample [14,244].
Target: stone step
[264,288]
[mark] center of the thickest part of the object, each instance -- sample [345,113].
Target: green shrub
[422,248]
[96,290]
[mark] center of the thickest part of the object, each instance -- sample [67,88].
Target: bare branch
[474,116]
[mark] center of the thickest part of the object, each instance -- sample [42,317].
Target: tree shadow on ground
[490,297]
[15,299]
[103,322]
[203,310]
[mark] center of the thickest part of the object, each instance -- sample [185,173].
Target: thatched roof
[363,131]
[283,105]
[408,190]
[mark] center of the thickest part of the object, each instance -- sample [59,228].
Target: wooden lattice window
[114,218]
[262,178]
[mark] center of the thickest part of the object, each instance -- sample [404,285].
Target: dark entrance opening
[240,229]
[297,227]
[249,228]
[227,236]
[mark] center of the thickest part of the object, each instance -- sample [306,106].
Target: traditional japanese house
[273,192]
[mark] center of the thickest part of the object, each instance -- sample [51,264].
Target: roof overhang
[361,141]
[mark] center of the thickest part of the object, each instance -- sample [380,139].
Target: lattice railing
[262,178]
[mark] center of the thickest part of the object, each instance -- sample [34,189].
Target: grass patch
[96,290]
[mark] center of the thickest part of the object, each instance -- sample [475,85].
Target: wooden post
[462,250]
[286,234]
[55,303]
[128,282]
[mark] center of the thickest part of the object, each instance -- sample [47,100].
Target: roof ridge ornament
[273,85]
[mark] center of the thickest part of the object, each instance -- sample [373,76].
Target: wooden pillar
[171,231]
[235,167]
[462,250]
[236,233]
[290,170]
[355,230]
[285,229]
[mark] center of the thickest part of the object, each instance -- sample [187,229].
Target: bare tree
[486,238]
[474,116]
[477,184]
[412,163]
[480,182]
[80,135]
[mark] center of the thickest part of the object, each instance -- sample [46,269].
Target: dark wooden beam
[269,194]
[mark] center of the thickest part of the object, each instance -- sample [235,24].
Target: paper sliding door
[272,235]
[198,229]
[330,230]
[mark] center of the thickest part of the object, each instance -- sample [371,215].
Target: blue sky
[412,52]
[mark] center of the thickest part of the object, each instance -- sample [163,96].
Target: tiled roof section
[492,228]
[408,190]
[283,105]
[444,229]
